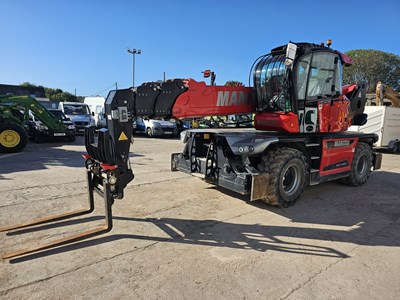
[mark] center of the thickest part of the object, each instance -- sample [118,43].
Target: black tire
[13,138]
[72,138]
[396,148]
[361,165]
[288,175]
[149,132]
[37,138]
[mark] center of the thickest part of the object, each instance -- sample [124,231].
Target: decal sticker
[122,137]
[339,144]
[227,98]
[308,119]
[337,165]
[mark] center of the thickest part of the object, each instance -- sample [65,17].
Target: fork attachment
[107,168]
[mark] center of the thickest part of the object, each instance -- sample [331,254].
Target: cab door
[321,107]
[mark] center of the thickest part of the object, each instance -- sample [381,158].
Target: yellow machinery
[385,91]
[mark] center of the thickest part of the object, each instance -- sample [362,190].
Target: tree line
[56,94]
[371,66]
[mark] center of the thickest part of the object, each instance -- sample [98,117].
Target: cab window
[269,78]
[323,72]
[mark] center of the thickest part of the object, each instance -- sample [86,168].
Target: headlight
[156,124]
[92,122]
[40,126]
[71,127]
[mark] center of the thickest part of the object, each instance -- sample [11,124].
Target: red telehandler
[301,112]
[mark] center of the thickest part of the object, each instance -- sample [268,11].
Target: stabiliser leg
[103,190]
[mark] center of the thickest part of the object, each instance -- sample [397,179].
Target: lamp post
[133,52]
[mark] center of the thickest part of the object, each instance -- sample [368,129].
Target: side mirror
[93,113]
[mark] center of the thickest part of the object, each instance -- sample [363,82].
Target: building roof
[18,90]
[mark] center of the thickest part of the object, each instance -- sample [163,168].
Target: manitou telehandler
[301,112]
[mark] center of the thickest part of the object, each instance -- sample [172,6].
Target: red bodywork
[333,116]
[348,88]
[337,155]
[277,122]
[208,100]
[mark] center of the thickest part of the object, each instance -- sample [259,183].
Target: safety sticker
[122,137]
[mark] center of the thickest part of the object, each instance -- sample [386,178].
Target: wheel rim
[291,180]
[362,165]
[9,138]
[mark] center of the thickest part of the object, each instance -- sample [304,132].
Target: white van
[385,122]
[79,113]
[96,105]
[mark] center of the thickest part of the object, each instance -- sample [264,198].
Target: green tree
[233,83]
[26,83]
[56,94]
[59,95]
[372,66]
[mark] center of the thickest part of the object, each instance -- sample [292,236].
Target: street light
[133,52]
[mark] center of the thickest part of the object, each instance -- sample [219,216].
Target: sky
[81,46]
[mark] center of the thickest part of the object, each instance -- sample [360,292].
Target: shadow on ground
[42,155]
[39,156]
[329,212]
[374,222]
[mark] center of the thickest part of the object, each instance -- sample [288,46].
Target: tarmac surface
[177,237]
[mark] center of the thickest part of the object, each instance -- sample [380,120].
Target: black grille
[81,123]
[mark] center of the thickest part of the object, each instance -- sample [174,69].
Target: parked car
[134,127]
[184,125]
[40,132]
[153,127]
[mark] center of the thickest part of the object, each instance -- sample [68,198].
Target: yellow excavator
[384,91]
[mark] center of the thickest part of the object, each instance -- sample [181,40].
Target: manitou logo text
[227,98]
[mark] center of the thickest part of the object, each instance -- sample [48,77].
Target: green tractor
[14,118]
[13,136]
